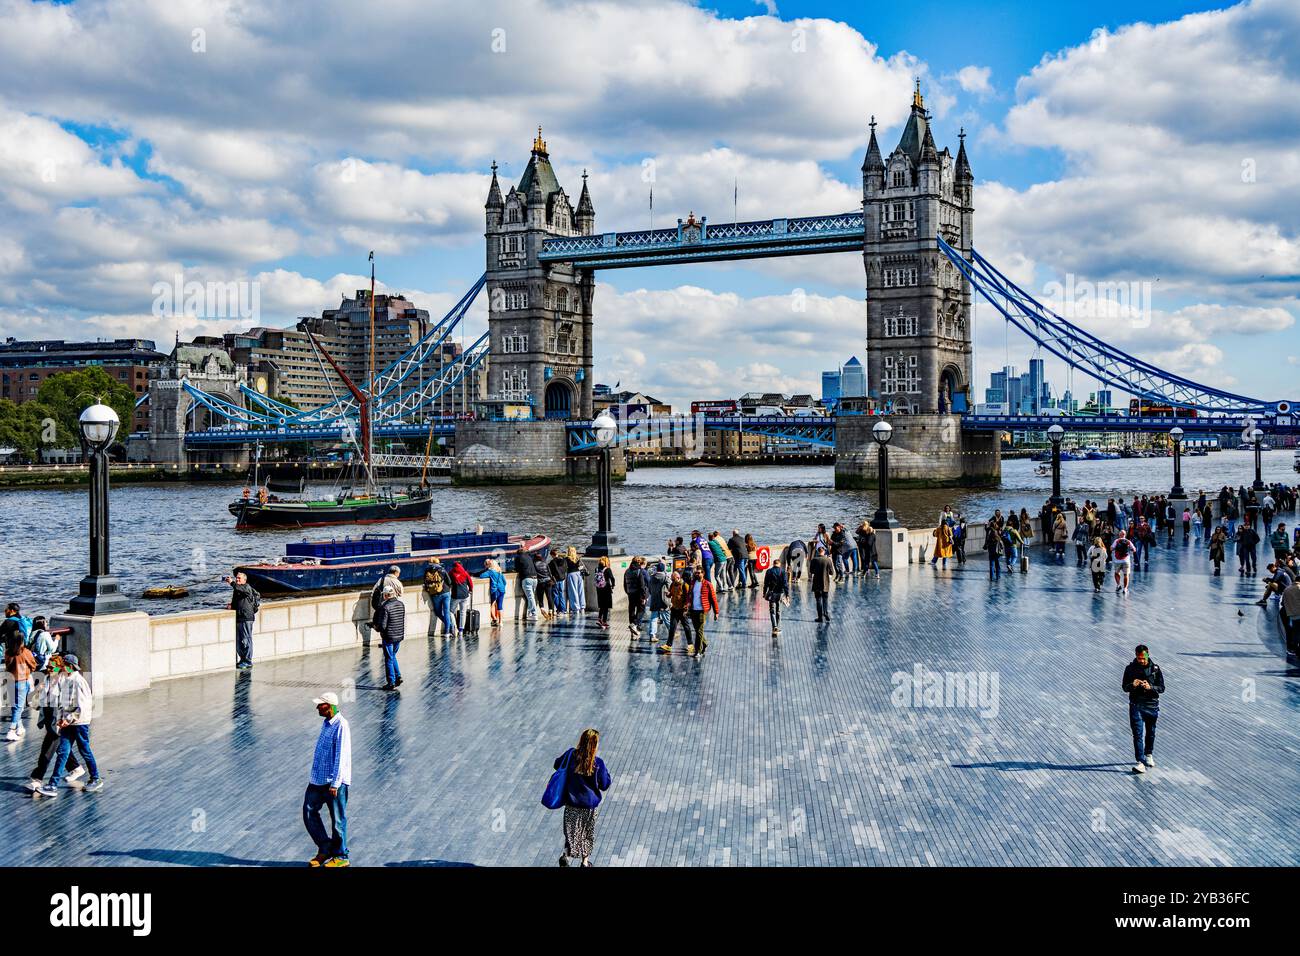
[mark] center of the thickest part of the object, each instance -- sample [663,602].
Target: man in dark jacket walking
[390,622]
[636,585]
[1144,683]
[820,572]
[245,602]
[776,588]
[739,566]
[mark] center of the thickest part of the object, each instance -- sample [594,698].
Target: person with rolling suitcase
[471,615]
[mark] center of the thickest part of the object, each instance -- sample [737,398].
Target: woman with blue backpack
[579,780]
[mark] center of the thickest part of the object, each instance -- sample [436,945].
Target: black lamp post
[99,593]
[1176,434]
[604,542]
[1056,433]
[1258,436]
[884,519]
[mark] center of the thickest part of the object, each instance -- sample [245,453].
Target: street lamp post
[1056,433]
[1258,436]
[1176,434]
[884,518]
[604,542]
[99,593]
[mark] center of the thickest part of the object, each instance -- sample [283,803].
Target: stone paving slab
[785,751]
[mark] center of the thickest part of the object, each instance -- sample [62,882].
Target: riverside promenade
[807,749]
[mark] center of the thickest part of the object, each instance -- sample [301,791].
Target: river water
[183,534]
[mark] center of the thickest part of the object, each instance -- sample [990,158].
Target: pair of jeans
[823,605]
[50,745]
[442,611]
[709,573]
[635,608]
[658,619]
[680,618]
[738,575]
[577,592]
[1013,557]
[392,673]
[243,642]
[530,594]
[995,565]
[839,564]
[334,843]
[458,608]
[1248,560]
[78,734]
[1079,553]
[774,612]
[1142,719]
[853,556]
[557,597]
[21,689]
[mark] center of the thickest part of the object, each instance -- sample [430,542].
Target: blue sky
[134,150]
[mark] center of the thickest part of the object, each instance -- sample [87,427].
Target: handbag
[553,795]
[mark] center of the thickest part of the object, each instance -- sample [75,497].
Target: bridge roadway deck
[769,751]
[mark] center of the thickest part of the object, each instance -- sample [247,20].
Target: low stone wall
[127,652]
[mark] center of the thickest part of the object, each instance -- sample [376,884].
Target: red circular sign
[763,558]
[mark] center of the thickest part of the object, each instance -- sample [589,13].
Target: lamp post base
[99,595]
[1177,492]
[884,520]
[1057,502]
[604,544]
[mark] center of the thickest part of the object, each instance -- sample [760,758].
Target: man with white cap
[331,774]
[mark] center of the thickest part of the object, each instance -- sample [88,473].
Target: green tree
[21,427]
[67,394]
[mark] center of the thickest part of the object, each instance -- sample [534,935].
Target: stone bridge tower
[918,304]
[919,353]
[540,324]
[539,314]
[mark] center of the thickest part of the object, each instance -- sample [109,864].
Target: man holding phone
[1144,683]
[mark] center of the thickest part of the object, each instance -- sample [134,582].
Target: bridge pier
[523,453]
[926,451]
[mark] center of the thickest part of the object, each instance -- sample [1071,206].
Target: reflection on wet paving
[809,748]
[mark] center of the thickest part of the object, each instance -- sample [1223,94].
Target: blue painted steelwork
[1202,424]
[693,241]
[391,404]
[245,436]
[806,429]
[1083,350]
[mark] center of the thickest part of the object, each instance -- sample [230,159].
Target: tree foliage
[66,395]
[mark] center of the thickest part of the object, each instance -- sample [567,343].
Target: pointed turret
[494,200]
[963,164]
[586,211]
[914,132]
[929,153]
[874,160]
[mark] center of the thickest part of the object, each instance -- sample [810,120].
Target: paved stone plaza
[783,751]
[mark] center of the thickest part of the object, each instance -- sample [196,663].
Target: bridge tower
[540,324]
[919,352]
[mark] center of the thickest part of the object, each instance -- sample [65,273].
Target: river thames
[183,534]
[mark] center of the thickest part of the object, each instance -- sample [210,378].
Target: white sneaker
[1149,760]
[22,731]
[33,785]
[13,734]
[1139,768]
[75,774]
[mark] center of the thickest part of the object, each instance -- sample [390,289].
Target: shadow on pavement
[195,858]
[1038,765]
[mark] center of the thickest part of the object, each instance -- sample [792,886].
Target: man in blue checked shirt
[331,774]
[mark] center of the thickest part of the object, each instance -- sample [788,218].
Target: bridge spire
[963,164]
[873,160]
[494,200]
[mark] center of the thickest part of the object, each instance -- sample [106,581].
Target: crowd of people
[45,679]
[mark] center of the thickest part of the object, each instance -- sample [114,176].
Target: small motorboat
[1043,471]
[356,563]
[165,592]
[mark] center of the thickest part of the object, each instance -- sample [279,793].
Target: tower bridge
[915,232]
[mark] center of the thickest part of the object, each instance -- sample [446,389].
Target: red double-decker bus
[1141,407]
